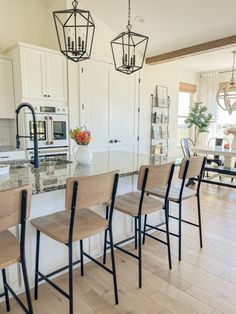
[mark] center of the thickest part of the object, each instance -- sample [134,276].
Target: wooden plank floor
[204,282]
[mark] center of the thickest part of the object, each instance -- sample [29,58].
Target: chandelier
[226,95]
[75,32]
[129,49]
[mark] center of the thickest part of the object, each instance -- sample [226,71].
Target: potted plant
[82,152]
[199,119]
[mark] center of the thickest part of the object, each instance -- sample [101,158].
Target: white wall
[169,76]
[29,21]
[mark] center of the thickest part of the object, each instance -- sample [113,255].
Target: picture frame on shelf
[162,96]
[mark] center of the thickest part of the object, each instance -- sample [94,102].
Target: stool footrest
[59,270]
[185,221]
[16,298]
[53,285]
[157,239]
[98,263]
[116,245]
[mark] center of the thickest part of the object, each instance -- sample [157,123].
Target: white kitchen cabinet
[56,76]
[6,90]
[33,73]
[40,74]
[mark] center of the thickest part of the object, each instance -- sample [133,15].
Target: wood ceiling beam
[193,50]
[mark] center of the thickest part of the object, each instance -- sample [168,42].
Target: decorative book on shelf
[160,122]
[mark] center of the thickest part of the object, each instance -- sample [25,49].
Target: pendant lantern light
[129,49]
[75,32]
[226,95]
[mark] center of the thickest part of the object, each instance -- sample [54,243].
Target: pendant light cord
[129,26]
[233,68]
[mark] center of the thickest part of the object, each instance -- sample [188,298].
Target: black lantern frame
[129,49]
[75,32]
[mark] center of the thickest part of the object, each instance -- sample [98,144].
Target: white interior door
[94,106]
[109,108]
[123,111]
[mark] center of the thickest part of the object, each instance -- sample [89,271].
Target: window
[183,110]
[223,122]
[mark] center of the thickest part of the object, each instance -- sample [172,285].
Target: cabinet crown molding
[25,45]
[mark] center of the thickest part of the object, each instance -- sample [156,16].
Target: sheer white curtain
[209,84]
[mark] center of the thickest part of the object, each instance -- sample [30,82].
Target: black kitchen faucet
[36,152]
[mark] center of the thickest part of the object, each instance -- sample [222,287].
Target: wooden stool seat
[56,226]
[9,249]
[129,204]
[174,193]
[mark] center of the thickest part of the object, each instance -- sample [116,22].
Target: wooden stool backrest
[158,176]
[11,204]
[194,167]
[92,190]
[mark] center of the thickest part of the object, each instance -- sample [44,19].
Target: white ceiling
[170,24]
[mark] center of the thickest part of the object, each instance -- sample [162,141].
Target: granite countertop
[51,176]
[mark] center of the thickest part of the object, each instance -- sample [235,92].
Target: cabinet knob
[49,95]
[111,142]
[117,141]
[44,95]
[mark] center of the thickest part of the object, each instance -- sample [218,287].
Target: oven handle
[47,131]
[51,131]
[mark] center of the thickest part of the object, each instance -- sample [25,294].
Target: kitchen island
[49,182]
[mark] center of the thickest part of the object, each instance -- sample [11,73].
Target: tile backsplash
[5,132]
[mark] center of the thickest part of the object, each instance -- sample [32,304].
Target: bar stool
[137,204]
[14,210]
[190,167]
[78,222]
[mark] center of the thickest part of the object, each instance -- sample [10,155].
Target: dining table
[227,169]
[228,154]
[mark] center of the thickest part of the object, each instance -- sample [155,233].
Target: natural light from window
[183,110]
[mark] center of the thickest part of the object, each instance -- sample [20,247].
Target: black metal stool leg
[199,219]
[180,230]
[105,238]
[113,266]
[81,258]
[135,233]
[144,228]
[139,252]
[26,282]
[4,278]
[36,265]
[167,234]
[70,246]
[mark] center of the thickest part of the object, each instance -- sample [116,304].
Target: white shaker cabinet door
[94,106]
[123,111]
[56,76]
[33,74]
[6,90]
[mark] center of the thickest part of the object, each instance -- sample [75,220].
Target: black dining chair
[217,142]
[186,143]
